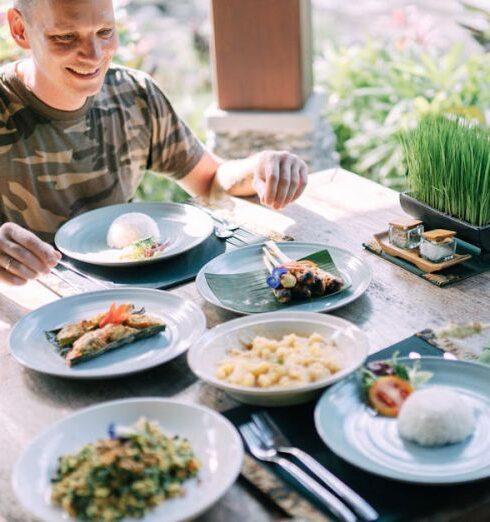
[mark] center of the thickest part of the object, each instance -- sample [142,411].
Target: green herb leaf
[401,371]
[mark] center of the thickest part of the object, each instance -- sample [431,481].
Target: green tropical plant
[154,187]
[377,91]
[481,32]
[448,166]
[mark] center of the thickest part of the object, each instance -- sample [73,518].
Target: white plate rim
[135,207]
[216,415]
[271,317]
[349,294]
[200,328]
[388,473]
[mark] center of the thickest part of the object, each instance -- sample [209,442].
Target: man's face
[72,43]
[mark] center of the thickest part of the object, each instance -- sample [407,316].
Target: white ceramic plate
[373,443]
[185,323]
[215,441]
[249,258]
[204,355]
[85,237]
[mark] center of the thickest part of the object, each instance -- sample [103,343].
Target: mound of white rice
[131,227]
[435,417]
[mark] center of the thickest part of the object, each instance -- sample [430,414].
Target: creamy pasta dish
[291,361]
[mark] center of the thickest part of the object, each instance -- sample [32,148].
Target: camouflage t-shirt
[57,164]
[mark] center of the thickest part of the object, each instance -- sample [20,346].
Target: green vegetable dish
[124,475]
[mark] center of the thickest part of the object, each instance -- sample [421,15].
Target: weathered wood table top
[338,208]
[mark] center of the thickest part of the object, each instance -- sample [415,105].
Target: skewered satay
[292,280]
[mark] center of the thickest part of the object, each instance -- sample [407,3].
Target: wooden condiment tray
[413,255]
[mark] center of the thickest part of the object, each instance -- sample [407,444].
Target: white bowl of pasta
[278,358]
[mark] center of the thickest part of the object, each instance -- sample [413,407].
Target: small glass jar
[438,245]
[406,233]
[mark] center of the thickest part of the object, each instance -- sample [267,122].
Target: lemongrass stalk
[270,258]
[274,250]
[267,263]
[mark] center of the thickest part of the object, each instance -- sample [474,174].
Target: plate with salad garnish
[287,276]
[423,421]
[106,333]
[133,233]
[149,459]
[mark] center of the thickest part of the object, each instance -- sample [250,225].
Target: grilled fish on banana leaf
[89,338]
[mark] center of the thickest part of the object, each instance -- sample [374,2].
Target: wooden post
[262,55]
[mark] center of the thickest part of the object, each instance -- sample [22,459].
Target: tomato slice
[387,394]
[115,315]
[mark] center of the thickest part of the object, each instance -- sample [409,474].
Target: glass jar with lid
[406,233]
[438,245]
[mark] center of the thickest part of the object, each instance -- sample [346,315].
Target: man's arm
[277,177]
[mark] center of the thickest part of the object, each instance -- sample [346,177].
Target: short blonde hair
[24,6]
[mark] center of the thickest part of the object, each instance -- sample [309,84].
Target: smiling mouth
[83,73]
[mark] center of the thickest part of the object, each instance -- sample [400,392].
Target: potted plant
[448,169]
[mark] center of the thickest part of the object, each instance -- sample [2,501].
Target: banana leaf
[248,291]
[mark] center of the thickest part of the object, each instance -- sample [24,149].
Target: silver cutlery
[260,452]
[274,439]
[67,266]
[225,223]
[226,228]
[58,274]
[222,232]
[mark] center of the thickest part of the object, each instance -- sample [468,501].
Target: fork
[257,449]
[273,438]
[70,268]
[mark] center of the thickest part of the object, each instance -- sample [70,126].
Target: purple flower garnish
[111,430]
[279,271]
[273,282]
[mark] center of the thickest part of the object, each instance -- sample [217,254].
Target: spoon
[222,232]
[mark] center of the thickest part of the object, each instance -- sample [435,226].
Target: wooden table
[338,208]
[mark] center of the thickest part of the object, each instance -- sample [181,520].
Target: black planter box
[478,236]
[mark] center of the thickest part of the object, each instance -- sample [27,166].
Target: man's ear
[18,28]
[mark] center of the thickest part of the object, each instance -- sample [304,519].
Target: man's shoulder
[124,79]
[131,88]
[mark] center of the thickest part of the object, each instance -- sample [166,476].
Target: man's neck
[56,98]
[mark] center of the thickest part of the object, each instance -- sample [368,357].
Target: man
[77,134]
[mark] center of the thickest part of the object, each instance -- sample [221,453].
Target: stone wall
[236,134]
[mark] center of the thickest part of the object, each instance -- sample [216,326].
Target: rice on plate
[131,227]
[435,417]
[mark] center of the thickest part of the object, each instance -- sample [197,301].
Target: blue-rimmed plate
[185,323]
[85,237]
[372,443]
[213,438]
[246,259]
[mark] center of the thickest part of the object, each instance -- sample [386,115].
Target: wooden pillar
[262,57]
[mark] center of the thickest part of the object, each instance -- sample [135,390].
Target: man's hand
[278,178]
[23,255]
